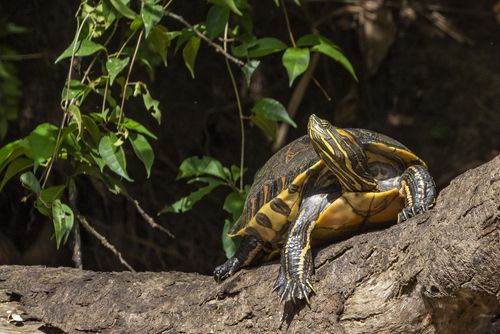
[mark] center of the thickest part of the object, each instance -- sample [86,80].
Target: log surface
[436,273]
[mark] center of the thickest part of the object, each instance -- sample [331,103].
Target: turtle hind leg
[250,249]
[419,192]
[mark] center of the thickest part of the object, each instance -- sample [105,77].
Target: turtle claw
[293,289]
[410,212]
[226,269]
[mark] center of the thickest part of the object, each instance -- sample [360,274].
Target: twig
[83,221]
[26,56]
[216,46]
[77,242]
[240,110]
[124,94]
[147,217]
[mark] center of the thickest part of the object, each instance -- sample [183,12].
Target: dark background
[429,76]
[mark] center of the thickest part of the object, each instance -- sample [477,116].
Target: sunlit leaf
[230,245]
[151,15]
[143,151]
[269,127]
[112,157]
[114,66]
[217,18]
[63,219]
[83,48]
[296,61]
[190,52]
[272,110]
[48,195]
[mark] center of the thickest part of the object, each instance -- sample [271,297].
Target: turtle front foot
[294,288]
[226,269]
[410,212]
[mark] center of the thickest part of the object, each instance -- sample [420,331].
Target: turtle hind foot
[293,289]
[410,212]
[226,269]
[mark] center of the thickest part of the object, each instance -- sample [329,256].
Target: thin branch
[26,56]
[147,217]
[83,221]
[198,33]
[125,86]
[240,110]
[77,242]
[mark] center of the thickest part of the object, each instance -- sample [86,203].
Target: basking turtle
[319,186]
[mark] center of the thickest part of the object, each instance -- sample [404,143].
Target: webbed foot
[226,269]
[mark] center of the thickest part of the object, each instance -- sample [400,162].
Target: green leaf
[112,157]
[186,203]
[42,142]
[265,46]
[76,115]
[269,127]
[82,49]
[324,45]
[151,15]
[233,204]
[159,41]
[48,195]
[230,245]
[7,152]
[143,151]
[92,128]
[14,168]
[249,68]
[149,103]
[272,110]
[63,218]
[114,66]
[229,4]
[296,61]
[137,127]
[75,90]
[30,181]
[277,3]
[195,166]
[335,54]
[122,7]
[217,18]
[190,52]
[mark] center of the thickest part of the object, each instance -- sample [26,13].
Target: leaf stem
[240,109]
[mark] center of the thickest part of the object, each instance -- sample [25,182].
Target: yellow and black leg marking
[419,191]
[297,267]
[250,249]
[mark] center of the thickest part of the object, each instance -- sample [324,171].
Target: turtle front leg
[250,248]
[419,191]
[297,267]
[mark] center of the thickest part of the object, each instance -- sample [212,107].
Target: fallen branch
[436,273]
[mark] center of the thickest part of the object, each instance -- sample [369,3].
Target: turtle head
[342,154]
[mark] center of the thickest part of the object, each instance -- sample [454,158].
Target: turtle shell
[276,189]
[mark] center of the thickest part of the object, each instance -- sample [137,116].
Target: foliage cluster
[98,139]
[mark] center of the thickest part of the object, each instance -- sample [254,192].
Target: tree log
[436,273]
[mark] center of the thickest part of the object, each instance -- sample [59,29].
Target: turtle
[327,183]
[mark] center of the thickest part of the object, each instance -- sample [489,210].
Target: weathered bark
[437,273]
